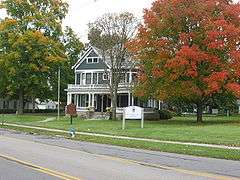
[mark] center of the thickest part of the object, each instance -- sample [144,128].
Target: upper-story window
[105,76]
[91,60]
[78,78]
[88,78]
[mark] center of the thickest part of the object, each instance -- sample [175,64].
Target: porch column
[69,95]
[129,99]
[77,100]
[93,100]
[119,101]
[132,100]
[91,77]
[89,99]
[130,76]
[149,103]
[97,78]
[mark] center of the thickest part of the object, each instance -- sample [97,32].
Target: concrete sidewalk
[128,138]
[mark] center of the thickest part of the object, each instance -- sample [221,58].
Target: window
[92,60]
[94,78]
[83,100]
[100,78]
[88,78]
[78,78]
[128,78]
[83,78]
[105,76]
[89,60]
[95,60]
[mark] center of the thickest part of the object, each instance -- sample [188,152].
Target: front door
[103,101]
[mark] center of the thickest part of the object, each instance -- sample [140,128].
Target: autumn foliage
[189,49]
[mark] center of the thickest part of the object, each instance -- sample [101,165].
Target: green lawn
[174,148]
[214,130]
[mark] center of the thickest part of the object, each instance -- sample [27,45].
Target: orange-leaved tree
[189,49]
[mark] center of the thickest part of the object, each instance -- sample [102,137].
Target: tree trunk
[199,112]
[114,104]
[20,102]
[33,104]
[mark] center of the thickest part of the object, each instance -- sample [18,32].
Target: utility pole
[59,76]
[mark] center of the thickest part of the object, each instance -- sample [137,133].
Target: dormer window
[95,60]
[91,60]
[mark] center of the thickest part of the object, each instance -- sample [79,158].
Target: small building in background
[47,104]
[11,104]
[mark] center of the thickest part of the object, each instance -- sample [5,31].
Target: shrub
[165,114]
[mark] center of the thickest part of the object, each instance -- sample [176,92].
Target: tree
[109,34]
[73,48]
[189,50]
[30,46]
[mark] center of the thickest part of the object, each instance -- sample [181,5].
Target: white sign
[133,112]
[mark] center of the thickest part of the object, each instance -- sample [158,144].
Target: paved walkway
[48,119]
[129,138]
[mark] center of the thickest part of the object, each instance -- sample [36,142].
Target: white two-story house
[91,87]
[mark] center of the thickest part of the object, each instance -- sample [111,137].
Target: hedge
[12,111]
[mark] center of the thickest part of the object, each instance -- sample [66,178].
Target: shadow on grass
[192,121]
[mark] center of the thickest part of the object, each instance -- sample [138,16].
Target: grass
[214,130]
[182,149]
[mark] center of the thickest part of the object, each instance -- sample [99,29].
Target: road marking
[184,171]
[40,168]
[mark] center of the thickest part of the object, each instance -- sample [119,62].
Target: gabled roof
[127,64]
[85,54]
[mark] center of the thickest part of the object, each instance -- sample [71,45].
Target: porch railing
[93,86]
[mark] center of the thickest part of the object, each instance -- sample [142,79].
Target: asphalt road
[10,170]
[25,156]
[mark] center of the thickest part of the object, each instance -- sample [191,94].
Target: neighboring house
[91,87]
[12,104]
[49,104]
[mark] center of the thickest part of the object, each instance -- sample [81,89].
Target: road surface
[25,156]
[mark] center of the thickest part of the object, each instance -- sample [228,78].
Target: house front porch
[100,102]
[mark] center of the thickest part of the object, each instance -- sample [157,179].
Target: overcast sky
[81,12]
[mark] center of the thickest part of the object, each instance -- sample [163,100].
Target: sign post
[71,110]
[133,112]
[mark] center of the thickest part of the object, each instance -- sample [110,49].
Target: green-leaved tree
[30,46]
